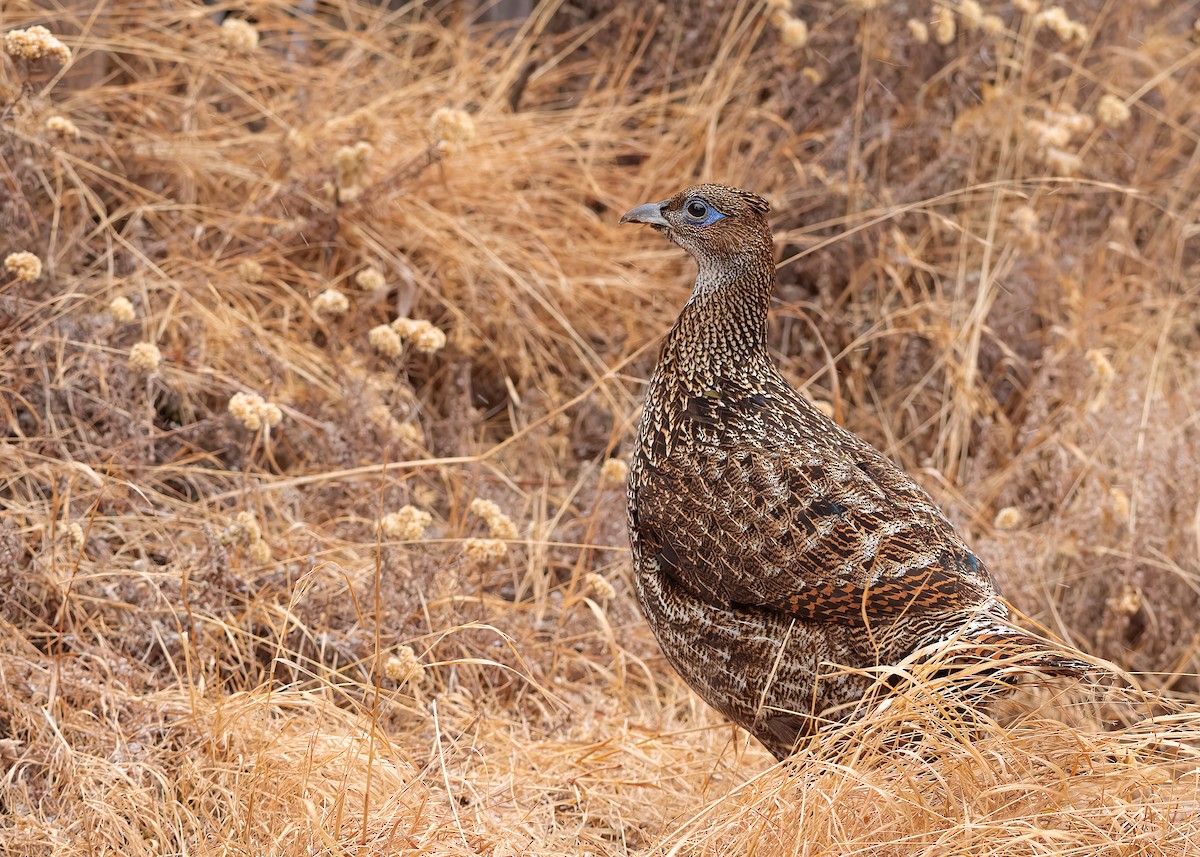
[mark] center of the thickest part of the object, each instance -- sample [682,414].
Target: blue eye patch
[700,212]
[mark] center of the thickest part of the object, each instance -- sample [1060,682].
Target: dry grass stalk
[989,286]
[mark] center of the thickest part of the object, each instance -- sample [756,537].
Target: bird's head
[714,223]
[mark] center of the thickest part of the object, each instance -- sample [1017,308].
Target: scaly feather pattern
[772,548]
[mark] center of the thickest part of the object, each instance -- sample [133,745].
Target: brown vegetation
[307,291]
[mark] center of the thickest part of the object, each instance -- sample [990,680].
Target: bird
[785,566]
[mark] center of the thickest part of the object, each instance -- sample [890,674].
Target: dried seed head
[331,302]
[1008,518]
[1126,602]
[238,36]
[404,667]
[259,552]
[385,340]
[614,471]
[423,336]
[428,339]
[371,279]
[25,266]
[62,127]
[243,531]
[1064,163]
[598,587]
[1112,111]
[499,524]
[972,13]
[35,43]
[919,31]
[823,406]
[145,357]
[452,129]
[1057,21]
[944,26]
[1025,219]
[351,163]
[121,309]
[484,552]
[74,536]
[253,411]
[793,32]
[408,524]
[250,271]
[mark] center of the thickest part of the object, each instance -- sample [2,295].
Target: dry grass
[212,643]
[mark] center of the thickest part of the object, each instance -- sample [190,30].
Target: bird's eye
[699,212]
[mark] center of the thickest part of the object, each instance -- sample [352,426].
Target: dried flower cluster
[793,31]
[1112,111]
[484,552]
[238,36]
[404,667]
[598,587]
[121,309]
[74,536]
[945,26]
[331,302]
[35,43]
[382,418]
[145,357]
[452,130]
[614,471]
[25,266]
[351,163]
[385,340]
[388,340]
[371,279]
[974,18]
[62,127]
[421,334]
[1059,22]
[250,270]
[244,532]
[253,411]
[1008,518]
[919,31]
[1053,133]
[1025,220]
[499,525]
[408,524]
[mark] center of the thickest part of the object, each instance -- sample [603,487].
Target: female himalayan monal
[773,549]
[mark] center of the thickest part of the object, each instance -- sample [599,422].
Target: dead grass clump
[317,400]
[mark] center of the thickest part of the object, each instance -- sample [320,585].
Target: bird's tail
[1004,652]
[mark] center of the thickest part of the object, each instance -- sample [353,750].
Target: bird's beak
[650,212]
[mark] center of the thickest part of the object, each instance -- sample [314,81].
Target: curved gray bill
[650,212]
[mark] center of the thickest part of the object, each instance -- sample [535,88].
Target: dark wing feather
[820,542]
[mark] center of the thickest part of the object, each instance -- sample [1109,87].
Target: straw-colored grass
[311,289]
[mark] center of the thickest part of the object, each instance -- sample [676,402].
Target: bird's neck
[721,334]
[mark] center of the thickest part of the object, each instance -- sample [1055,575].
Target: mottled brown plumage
[770,545]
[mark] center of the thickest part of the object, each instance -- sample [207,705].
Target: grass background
[210,645]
